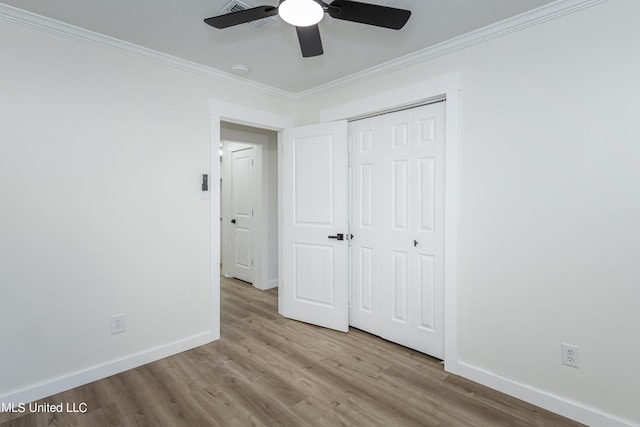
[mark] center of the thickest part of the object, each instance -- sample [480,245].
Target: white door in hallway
[243,187]
[314,282]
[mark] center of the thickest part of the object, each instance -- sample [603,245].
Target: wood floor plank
[270,371]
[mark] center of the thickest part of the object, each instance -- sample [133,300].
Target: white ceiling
[176,27]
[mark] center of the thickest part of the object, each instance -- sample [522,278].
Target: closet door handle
[233,221]
[415,243]
[338,236]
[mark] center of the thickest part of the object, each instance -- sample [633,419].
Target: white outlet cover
[570,355]
[118,323]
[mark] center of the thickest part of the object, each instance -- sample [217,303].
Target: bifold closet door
[413,228]
[397,218]
[365,142]
[428,208]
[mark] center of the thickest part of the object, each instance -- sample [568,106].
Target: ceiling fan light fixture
[301,13]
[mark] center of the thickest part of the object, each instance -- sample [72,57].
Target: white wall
[101,156]
[549,226]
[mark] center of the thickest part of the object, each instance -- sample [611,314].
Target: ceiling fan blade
[310,41]
[370,14]
[241,17]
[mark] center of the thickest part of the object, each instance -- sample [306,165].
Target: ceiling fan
[305,15]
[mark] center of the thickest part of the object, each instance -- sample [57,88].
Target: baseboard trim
[271,284]
[98,372]
[560,405]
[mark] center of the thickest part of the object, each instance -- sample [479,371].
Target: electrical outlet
[118,323]
[571,355]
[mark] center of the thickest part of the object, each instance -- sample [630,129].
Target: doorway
[248,204]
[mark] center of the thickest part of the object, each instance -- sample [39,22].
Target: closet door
[397,219]
[428,228]
[398,170]
[365,223]
[412,234]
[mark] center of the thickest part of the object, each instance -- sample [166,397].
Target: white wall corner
[502,28]
[44,23]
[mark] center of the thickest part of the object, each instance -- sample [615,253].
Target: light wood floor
[268,370]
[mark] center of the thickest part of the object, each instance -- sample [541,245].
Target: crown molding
[499,29]
[510,25]
[20,16]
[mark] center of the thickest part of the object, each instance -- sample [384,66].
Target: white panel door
[397,235]
[428,228]
[314,207]
[243,183]
[397,218]
[365,223]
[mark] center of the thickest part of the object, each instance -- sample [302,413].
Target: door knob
[233,221]
[338,236]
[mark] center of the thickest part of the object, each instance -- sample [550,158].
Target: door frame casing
[222,111]
[448,86]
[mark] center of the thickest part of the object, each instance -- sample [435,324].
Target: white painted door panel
[315,206]
[242,197]
[397,236]
[397,217]
[365,222]
[428,330]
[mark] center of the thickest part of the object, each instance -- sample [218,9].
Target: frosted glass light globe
[301,13]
